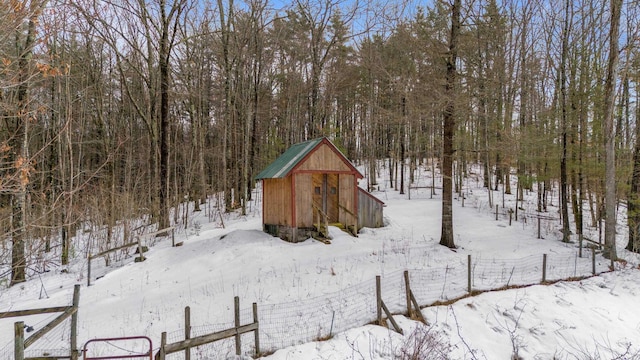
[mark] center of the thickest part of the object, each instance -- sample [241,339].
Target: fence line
[21,342]
[318,318]
[297,322]
[190,342]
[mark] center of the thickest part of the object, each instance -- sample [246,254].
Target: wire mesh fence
[297,322]
[54,344]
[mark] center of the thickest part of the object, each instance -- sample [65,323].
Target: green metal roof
[288,160]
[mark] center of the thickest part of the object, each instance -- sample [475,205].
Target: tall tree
[168,24]
[609,134]
[633,206]
[21,115]
[446,237]
[562,79]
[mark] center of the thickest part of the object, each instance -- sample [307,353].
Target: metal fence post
[469,273]
[187,331]
[379,299]
[544,267]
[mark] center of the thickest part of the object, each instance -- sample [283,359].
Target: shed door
[325,194]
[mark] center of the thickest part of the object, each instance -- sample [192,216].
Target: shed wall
[347,199]
[304,214]
[324,159]
[370,211]
[277,201]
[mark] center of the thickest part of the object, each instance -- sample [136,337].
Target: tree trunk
[225,25]
[19,143]
[609,134]
[402,144]
[633,206]
[163,59]
[564,207]
[446,237]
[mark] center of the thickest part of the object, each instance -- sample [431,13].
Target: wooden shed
[370,210]
[310,186]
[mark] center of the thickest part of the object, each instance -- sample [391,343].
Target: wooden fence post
[496,212]
[173,237]
[593,260]
[142,258]
[382,307]
[236,310]
[18,328]
[74,323]
[413,308]
[163,341]
[469,273]
[256,332]
[379,300]
[580,246]
[544,267]
[407,290]
[187,331]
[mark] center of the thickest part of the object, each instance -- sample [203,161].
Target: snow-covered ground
[311,290]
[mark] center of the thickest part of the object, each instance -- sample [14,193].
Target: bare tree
[168,26]
[446,237]
[564,210]
[633,209]
[19,114]
[609,134]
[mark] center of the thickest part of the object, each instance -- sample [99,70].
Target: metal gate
[113,342]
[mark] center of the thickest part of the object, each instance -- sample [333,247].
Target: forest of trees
[117,109]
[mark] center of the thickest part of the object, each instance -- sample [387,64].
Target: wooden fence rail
[137,243]
[190,342]
[20,343]
[413,307]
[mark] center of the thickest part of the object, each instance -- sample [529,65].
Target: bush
[424,343]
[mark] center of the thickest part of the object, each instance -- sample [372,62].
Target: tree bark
[633,206]
[163,64]
[19,144]
[446,237]
[564,207]
[609,134]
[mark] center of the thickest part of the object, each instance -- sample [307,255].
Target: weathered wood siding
[277,201]
[370,213]
[304,192]
[346,198]
[324,159]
